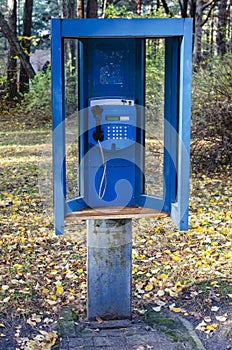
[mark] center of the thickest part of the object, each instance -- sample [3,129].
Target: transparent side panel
[154,117]
[71,115]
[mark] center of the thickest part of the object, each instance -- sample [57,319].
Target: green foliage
[113,11]
[212,114]
[127,9]
[154,74]
[39,96]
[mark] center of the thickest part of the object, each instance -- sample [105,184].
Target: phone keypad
[117,132]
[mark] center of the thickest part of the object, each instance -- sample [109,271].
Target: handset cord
[101,192]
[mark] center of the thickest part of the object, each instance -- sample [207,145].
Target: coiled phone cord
[101,192]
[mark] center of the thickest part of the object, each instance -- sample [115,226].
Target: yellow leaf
[17,266]
[176,258]
[148,287]
[59,289]
[176,309]
[146,296]
[213,283]
[167,251]
[211,327]
[141,257]
[80,270]
[164,276]
[45,291]
[178,284]
[50,341]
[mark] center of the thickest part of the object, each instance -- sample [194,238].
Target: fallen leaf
[211,327]
[148,287]
[201,326]
[160,293]
[99,320]
[221,318]
[156,308]
[215,308]
[59,289]
[176,309]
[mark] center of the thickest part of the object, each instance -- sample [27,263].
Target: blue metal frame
[178,35]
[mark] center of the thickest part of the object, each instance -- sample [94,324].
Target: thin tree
[91,9]
[80,8]
[222,27]
[183,8]
[13,42]
[139,7]
[198,32]
[199,23]
[26,44]
[12,60]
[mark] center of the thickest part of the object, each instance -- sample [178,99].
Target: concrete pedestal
[109,245]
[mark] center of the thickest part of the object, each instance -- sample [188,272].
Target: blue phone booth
[112,108]
[112,84]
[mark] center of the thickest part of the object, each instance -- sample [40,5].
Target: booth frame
[178,35]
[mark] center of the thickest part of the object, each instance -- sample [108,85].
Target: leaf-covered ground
[188,272]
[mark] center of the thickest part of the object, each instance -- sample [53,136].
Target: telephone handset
[112,121]
[98,135]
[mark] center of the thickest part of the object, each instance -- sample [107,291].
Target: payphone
[111,101]
[111,81]
[111,151]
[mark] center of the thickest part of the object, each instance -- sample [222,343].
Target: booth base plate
[104,213]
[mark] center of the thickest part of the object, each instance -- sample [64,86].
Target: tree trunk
[70,10]
[193,12]
[7,32]
[221,30]
[212,34]
[12,61]
[166,8]
[139,6]
[198,32]
[183,8]
[91,10]
[26,44]
[80,8]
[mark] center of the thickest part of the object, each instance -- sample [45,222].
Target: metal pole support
[109,245]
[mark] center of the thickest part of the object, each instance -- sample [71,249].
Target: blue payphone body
[111,151]
[112,121]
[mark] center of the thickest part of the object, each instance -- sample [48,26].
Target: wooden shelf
[104,213]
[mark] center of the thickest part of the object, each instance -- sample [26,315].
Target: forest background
[41,273]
